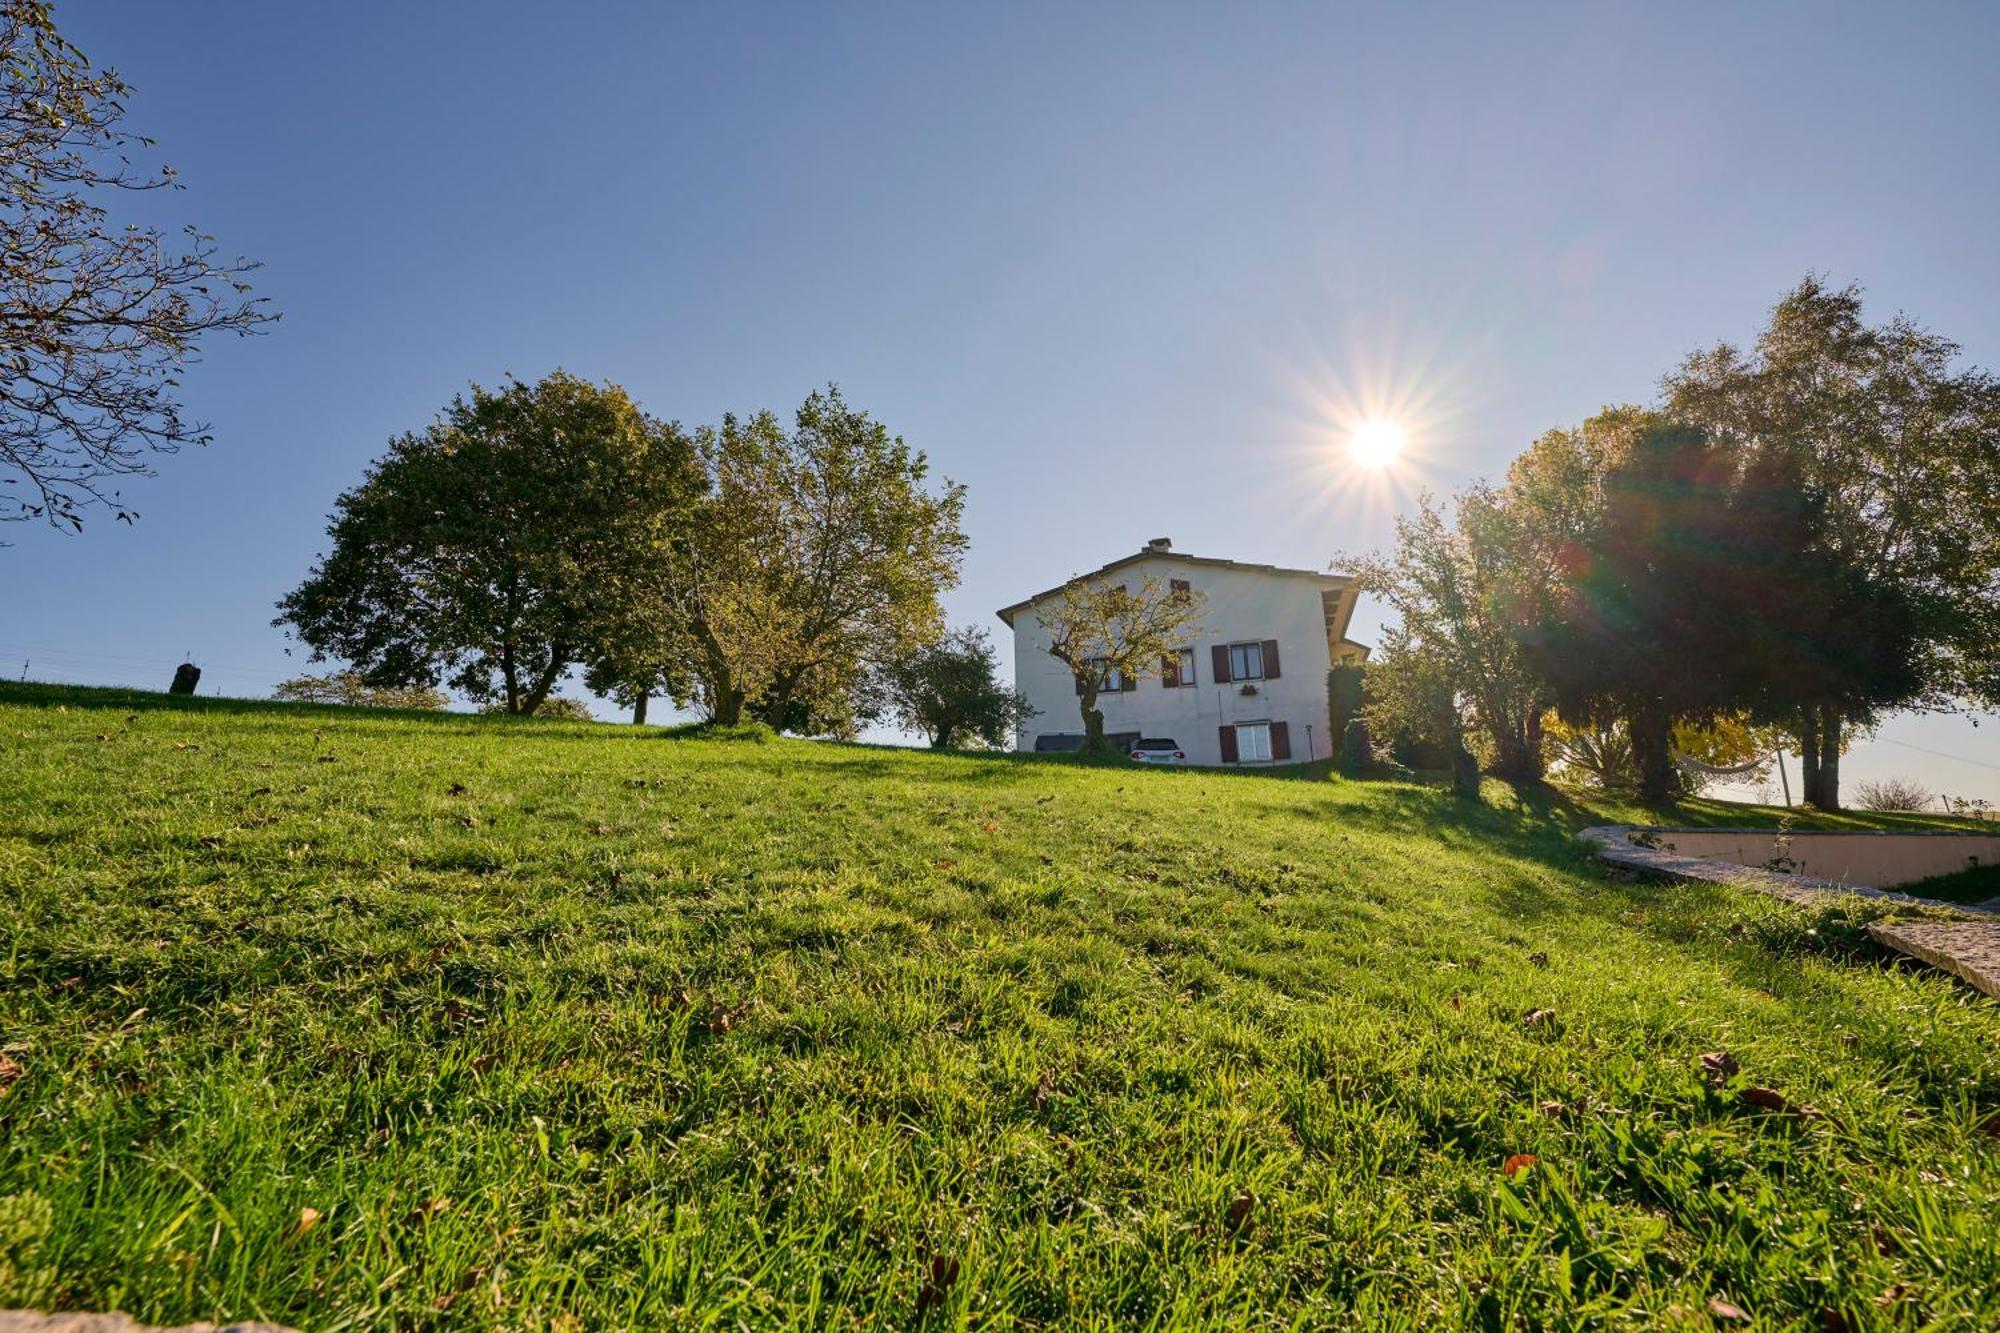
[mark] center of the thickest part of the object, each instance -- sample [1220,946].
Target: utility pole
[1782,777]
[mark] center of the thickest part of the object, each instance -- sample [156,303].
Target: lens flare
[1376,443]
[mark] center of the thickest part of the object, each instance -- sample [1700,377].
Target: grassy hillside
[351,1019]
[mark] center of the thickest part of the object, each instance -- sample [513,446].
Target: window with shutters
[1110,680]
[1253,742]
[1246,661]
[1177,669]
[1181,589]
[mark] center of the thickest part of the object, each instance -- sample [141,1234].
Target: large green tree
[952,693]
[97,320]
[815,553]
[1462,589]
[1901,447]
[527,531]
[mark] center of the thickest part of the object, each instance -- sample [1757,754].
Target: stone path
[1969,949]
[1966,949]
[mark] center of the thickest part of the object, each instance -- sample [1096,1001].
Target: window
[1253,742]
[1110,680]
[1180,589]
[1177,669]
[1246,661]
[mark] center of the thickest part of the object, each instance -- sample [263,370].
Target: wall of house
[1243,605]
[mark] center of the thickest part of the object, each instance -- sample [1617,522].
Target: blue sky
[1122,271]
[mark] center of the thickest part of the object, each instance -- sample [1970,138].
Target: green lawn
[557,1025]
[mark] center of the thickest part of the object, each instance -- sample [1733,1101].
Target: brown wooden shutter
[1221,657]
[1270,659]
[1170,670]
[1281,741]
[1228,735]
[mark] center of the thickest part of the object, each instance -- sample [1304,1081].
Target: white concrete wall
[1878,860]
[1243,605]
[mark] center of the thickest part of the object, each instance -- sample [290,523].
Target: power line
[1955,758]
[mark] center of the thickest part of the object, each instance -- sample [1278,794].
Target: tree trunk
[509,677]
[1829,759]
[1093,717]
[639,709]
[539,693]
[941,738]
[1809,757]
[1464,772]
[1652,753]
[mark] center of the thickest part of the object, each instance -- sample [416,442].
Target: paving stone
[1966,949]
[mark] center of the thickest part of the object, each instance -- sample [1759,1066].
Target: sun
[1375,443]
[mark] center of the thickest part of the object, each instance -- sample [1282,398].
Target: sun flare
[1375,443]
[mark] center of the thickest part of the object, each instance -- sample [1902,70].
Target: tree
[1414,698]
[1902,450]
[1099,629]
[1705,587]
[97,322]
[348,688]
[813,554]
[1459,590]
[951,692]
[521,534]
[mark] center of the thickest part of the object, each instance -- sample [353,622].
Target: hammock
[1689,764]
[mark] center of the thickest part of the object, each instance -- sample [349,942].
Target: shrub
[1892,794]
[555,706]
[348,687]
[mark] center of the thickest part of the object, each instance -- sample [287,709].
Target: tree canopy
[520,534]
[1099,628]
[97,321]
[814,554]
[951,693]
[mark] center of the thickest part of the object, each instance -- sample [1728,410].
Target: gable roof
[1327,582]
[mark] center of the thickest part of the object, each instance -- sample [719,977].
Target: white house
[1250,689]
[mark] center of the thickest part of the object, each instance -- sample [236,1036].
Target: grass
[1978,884]
[351,1019]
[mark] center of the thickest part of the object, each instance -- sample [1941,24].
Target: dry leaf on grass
[10,1074]
[308,1219]
[1519,1162]
[943,1272]
[1535,1018]
[1719,1066]
[1770,1099]
[1722,1309]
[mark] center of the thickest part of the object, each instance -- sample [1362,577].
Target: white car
[1158,750]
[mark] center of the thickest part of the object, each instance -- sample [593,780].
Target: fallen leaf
[1722,1309]
[212,840]
[308,1219]
[433,1207]
[468,821]
[1240,1209]
[1045,1088]
[1770,1099]
[1520,1161]
[944,1272]
[1991,1125]
[1719,1066]
[1539,959]
[1893,1296]
[1554,1110]
[10,1074]
[723,1019]
[990,826]
[1537,1017]
[456,789]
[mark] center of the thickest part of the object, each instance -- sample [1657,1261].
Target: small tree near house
[1101,630]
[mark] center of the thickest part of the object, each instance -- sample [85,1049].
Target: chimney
[1160,544]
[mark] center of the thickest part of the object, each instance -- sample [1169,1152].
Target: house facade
[1249,688]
